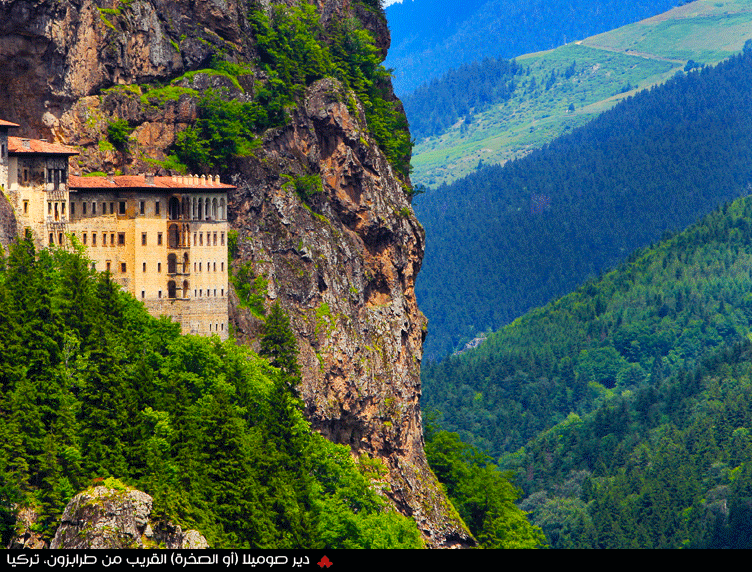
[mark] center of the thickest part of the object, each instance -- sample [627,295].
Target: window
[159,267]
[122,207]
[222,236]
[108,266]
[156,207]
[73,209]
[215,239]
[84,239]
[121,238]
[144,266]
[26,207]
[159,294]
[122,267]
[159,238]
[142,207]
[143,239]
[60,238]
[201,238]
[83,208]
[222,266]
[112,239]
[104,239]
[93,238]
[143,294]
[49,208]
[52,240]
[93,208]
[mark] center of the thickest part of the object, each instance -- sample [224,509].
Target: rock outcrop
[341,261]
[118,518]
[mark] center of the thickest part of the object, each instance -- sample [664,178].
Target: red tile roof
[37,146]
[193,183]
[4,123]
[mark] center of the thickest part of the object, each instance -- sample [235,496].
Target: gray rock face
[109,518]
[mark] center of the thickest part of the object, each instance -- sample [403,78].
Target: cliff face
[341,259]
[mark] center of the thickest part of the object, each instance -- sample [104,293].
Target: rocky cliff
[118,518]
[340,255]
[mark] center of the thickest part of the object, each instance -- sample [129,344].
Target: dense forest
[425,46]
[666,466]
[511,238]
[624,407]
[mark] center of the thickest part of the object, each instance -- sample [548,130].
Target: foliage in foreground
[93,387]
[483,496]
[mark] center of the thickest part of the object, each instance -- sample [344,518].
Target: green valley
[550,100]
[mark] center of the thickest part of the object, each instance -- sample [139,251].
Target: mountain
[666,310]
[510,238]
[430,37]
[558,90]
[291,103]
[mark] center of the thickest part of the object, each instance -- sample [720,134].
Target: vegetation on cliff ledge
[294,51]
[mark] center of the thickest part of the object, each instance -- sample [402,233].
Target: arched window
[214,209]
[186,265]
[173,236]
[174,208]
[171,290]
[221,209]
[172,265]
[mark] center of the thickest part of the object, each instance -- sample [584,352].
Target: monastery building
[163,239]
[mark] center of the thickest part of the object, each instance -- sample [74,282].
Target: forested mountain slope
[665,466]
[661,313]
[430,37]
[511,238]
[501,116]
